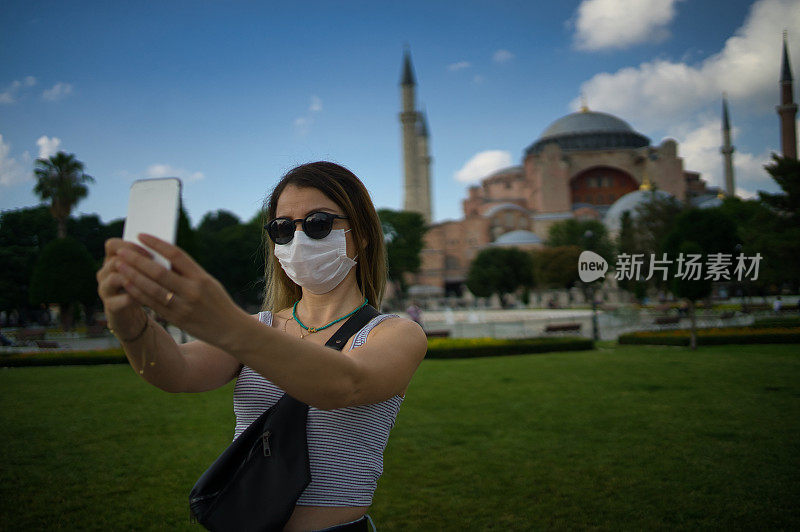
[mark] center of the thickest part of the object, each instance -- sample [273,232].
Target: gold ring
[170,297]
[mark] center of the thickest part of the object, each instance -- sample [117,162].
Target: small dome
[589,130]
[517,238]
[494,209]
[629,202]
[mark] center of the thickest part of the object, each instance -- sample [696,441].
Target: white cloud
[48,146]
[604,24]
[662,92]
[478,79]
[9,95]
[165,170]
[482,164]
[745,194]
[12,171]
[302,124]
[58,91]
[502,56]
[461,65]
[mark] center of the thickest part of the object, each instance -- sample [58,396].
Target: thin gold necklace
[311,330]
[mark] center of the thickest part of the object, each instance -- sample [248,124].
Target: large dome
[589,130]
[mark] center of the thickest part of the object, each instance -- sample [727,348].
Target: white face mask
[316,265]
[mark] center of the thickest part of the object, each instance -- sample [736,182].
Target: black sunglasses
[316,225]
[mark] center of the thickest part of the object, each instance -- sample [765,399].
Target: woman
[326,257]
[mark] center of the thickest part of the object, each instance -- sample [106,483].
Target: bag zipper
[265,443]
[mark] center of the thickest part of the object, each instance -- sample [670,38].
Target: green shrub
[715,336]
[63,358]
[487,347]
[778,321]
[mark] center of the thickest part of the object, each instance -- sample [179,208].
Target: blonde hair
[345,189]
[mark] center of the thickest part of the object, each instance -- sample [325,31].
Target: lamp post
[587,236]
[740,282]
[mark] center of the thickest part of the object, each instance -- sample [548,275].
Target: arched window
[615,183]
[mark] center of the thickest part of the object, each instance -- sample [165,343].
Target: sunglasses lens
[281,230]
[318,225]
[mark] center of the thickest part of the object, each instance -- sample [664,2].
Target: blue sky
[230,95]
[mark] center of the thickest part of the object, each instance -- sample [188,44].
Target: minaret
[727,149]
[424,169]
[787,110]
[408,120]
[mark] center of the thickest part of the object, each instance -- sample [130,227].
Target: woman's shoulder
[389,325]
[269,316]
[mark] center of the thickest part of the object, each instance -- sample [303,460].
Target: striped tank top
[345,445]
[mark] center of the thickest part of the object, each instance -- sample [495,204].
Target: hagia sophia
[587,165]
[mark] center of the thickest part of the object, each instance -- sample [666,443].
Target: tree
[703,232]
[556,267]
[778,243]
[23,233]
[691,290]
[500,271]
[786,173]
[585,234]
[627,243]
[232,253]
[64,274]
[644,232]
[217,220]
[186,238]
[403,233]
[60,179]
[653,222]
[89,230]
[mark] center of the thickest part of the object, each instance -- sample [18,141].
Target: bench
[667,320]
[749,308]
[25,335]
[96,330]
[563,327]
[437,334]
[46,344]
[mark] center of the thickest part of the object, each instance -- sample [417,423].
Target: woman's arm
[326,378]
[317,375]
[191,367]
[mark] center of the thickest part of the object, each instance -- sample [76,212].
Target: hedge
[437,348]
[715,336]
[778,321]
[486,347]
[63,358]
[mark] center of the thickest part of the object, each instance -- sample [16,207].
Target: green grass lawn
[631,437]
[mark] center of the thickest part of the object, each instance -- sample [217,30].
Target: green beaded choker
[316,329]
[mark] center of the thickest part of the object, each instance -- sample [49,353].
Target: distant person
[5,341]
[777,305]
[326,260]
[415,313]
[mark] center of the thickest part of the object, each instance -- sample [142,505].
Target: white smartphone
[153,208]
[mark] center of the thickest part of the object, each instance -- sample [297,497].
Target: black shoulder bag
[255,483]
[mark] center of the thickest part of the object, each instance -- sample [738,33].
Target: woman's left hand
[200,305]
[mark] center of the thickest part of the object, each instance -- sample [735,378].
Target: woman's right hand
[122,311]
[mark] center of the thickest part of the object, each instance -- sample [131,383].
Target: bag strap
[353,324]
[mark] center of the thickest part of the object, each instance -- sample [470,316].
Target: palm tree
[60,178]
